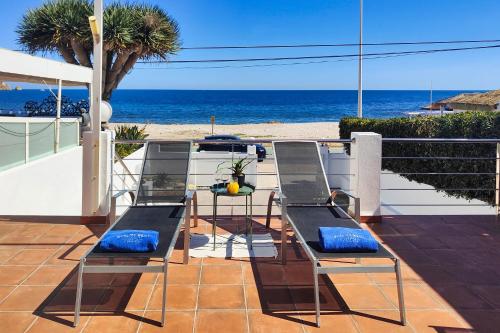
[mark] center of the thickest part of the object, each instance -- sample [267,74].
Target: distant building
[489,101]
[4,86]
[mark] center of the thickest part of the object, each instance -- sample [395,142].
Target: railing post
[58,116]
[27,142]
[497,183]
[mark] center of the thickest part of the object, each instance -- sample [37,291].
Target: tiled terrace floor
[451,272]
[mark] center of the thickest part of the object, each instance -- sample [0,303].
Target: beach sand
[319,130]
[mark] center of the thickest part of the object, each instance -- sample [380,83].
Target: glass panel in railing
[68,135]
[41,139]
[12,145]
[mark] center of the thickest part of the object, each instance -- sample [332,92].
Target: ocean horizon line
[258,90]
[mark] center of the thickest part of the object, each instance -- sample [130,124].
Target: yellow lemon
[233,188]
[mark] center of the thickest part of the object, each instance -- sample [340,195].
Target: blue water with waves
[241,106]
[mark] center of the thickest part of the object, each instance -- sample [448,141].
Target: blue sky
[234,22]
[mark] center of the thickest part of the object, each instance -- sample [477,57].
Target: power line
[272,65]
[277,46]
[229,47]
[318,57]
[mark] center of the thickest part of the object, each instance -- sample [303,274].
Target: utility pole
[360,62]
[92,140]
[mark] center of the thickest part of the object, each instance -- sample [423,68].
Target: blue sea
[240,106]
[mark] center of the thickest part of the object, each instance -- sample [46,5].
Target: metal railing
[25,139]
[489,165]
[265,166]
[338,146]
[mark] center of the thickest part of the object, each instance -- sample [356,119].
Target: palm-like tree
[131,32]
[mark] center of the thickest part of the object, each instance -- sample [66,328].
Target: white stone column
[104,176]
[366,167]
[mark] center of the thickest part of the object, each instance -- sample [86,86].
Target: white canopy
[21,67]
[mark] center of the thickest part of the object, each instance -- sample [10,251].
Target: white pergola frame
[21,67]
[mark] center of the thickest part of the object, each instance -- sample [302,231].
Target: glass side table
[246,191]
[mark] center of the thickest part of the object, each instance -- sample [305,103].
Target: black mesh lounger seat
[306,204]
[162,203]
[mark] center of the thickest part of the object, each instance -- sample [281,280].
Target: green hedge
[461,125]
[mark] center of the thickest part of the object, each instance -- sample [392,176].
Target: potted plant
[238,169]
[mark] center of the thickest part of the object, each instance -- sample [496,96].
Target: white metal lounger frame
[317,268]
[85,268]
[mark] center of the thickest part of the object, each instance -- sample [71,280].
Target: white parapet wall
[50,186]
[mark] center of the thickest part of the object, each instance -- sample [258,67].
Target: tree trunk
[105,58]
[117,67]
[81,54]
[68,55]
[126,69]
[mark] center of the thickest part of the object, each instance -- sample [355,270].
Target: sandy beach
[325,130]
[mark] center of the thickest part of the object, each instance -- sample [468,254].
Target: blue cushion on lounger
[130,241]
[337,239]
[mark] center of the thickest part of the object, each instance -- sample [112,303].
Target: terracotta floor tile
[15,239]
[408,274]
[64,300]
[50,242]
[125,298]
[15,322]
[415,296]
[175,321]
[473,275]
[217,321]
[329,323]
[179,297]
[363,296]
[267,273]
[26,298]
[432,275]
[303,298]
[68,255]
[6,254]
[35,230]
[414,256]
[270,298]
[221,274]
[461,297]
[55,323]
[490,293]
[91,280]
[177,257]
[66,229]
[300,275]
[124,280]
[183,274]
[349,278]
[112,324]
[31,257]
[12,275]
[397,243]
[482,320]
[4,291]
[221,297]
[432,321]
[273,322]
[380,321]
[426,242]
[221,261]
[50,275]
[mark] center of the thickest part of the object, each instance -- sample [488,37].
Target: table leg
[246,215]
[251,221]
[214,218]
